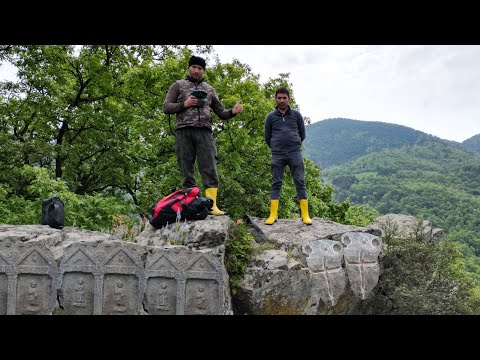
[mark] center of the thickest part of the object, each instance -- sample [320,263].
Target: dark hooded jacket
[194,116]
[284,133]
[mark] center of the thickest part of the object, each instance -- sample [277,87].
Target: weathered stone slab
[161,296]
[272,259]
[43,234]
[77,280]
[3,288]
[164,274]
[361,259]
[437,234]
[324,260]
[291,234]
[164,236]
[102,278]
[72,235]
[28,276]
[183,281]
[403,226]
[274,292]
[208,233]
[204,286]
[78,290]
[199,234]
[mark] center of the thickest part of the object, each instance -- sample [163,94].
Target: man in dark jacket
[192,99]
[284,134]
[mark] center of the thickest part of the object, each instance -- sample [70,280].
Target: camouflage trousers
[295,163]
[196,143]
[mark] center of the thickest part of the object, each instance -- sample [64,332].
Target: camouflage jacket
[180,90]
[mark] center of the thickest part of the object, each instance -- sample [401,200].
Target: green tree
[421,277]
[91,116]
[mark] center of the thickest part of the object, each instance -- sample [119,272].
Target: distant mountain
[434,180]
[472,144]
[337,141]
[396,169]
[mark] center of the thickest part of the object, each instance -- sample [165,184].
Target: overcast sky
[431,88]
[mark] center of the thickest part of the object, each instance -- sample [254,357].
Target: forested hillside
[435,180]
[337,141]
[472,144]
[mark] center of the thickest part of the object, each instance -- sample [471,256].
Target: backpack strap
[190,195]
[172,198]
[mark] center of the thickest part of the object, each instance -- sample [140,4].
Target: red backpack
[182,204]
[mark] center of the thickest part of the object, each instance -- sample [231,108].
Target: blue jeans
[295,163]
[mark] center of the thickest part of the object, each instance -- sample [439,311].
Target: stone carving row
[109,278]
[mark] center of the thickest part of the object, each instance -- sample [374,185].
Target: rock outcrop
[324,268]
[71,271]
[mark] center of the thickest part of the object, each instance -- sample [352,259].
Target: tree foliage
[436,181]
[421,277]
[91,118]
[91,211]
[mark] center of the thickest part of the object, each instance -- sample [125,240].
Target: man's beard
[195,78]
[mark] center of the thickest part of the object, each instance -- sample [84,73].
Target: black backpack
[53,212]
[182,204]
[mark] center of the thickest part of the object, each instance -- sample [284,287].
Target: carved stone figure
[79,294]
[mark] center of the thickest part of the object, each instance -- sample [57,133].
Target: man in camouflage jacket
[193,132]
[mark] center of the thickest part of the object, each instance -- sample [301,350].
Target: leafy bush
[421,277]
[360,215]
[238,253]
[90,212]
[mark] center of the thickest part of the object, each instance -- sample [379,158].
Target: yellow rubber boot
[212,193]
[273,212]
[304,210]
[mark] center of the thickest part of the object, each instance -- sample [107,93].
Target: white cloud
[430,88]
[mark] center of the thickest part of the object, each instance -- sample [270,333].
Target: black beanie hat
[197,60]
